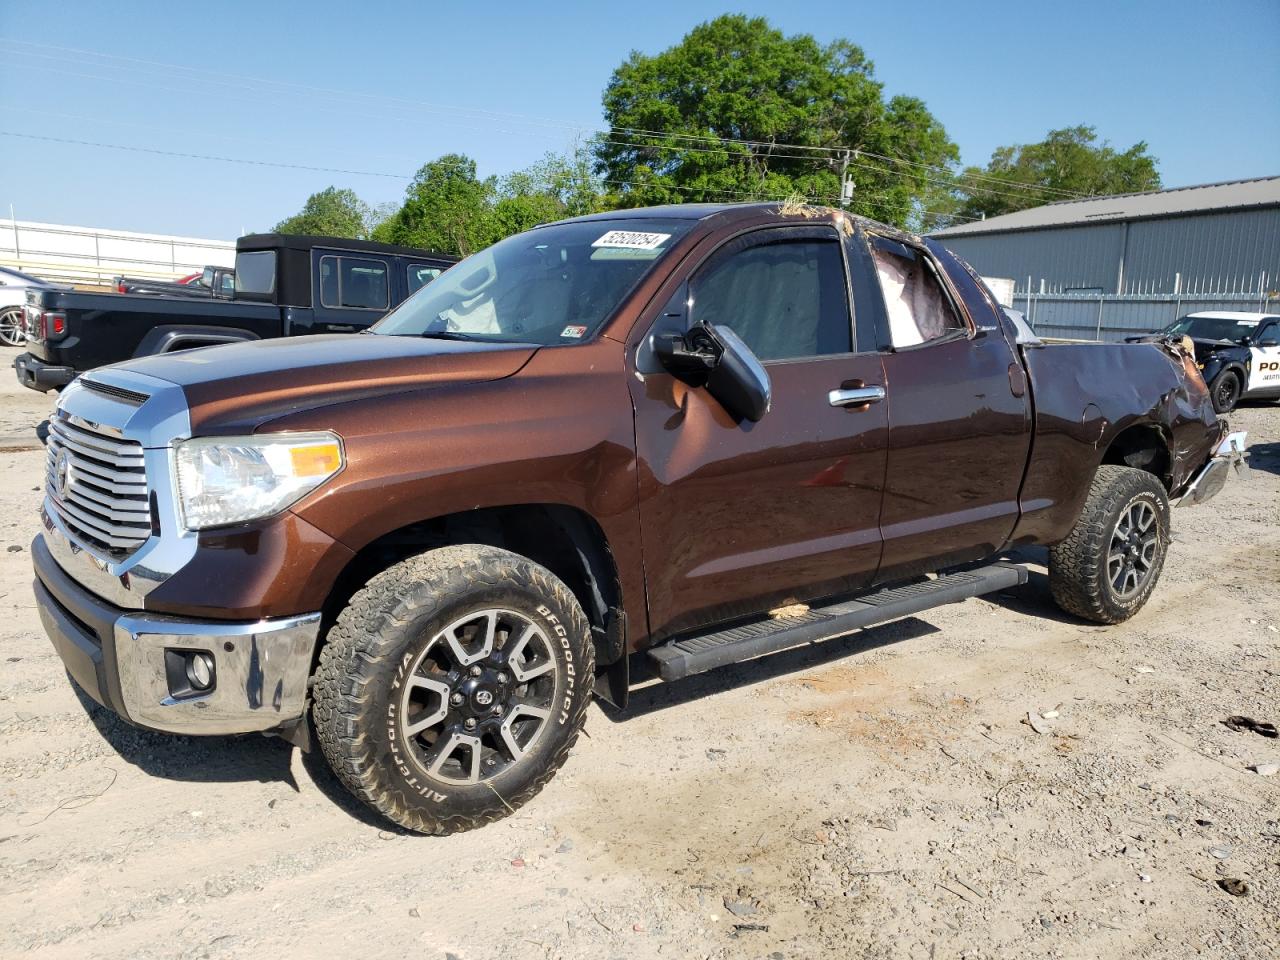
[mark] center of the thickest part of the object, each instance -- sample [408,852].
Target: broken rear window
[918,308]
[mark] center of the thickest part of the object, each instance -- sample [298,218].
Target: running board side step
[689,655]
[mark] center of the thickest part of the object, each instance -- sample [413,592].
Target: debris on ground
[1241,724]
[1037,722]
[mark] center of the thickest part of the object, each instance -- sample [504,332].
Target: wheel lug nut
[469,723]
[502,678]
[456,699]
[491,762]
[497,711]
[476,671]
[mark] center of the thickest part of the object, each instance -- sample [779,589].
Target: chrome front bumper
[1213,475]
[126,660]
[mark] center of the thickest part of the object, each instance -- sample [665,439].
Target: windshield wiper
[451,335]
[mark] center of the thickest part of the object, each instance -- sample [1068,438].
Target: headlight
[224,480]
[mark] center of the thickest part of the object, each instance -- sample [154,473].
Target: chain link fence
[1111,318]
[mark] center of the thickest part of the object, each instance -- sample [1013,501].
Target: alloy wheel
[11,332]
[1132,555]
[479,696]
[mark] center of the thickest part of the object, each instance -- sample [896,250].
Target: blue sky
[381,87]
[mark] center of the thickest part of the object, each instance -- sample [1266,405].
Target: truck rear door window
[256,273]
[919,309]
[420,275]
[353,283]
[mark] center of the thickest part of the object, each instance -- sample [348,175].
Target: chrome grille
[97,483]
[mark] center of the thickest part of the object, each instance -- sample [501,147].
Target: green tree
[1068,161]
[556,187]
[330,213]
[447,208]
[734,111]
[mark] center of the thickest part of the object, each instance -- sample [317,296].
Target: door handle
[856,397]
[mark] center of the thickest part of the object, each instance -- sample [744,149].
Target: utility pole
[846,183]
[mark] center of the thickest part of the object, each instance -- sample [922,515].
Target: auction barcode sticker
[632,240]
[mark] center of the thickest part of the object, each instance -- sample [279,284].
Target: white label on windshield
[632,240]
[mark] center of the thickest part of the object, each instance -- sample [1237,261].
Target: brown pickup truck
[692,434]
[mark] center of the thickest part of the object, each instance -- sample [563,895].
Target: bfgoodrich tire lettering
[447,624]
[1108,565]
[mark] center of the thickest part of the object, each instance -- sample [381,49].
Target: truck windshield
[553,285]
[1213,328]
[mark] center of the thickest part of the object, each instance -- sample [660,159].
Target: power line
[561,125]
[717,195]
[116,123]
[882,170]
[201,156]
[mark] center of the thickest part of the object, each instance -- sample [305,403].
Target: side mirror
[724,364]
[684,358]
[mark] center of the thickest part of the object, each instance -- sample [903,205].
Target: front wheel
[11,332]
[452,687]
[1225,391]
[1108,565]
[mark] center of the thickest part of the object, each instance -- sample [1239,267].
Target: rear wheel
[452,687]
[11,333]
[1108,565]
[1225,391]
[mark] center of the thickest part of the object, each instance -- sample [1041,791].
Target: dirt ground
[877,796]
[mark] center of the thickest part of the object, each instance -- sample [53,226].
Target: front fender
[1215,365]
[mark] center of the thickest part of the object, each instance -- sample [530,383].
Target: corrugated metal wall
[1217,253]
[1065,258]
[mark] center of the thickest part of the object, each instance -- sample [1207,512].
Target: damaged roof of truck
[788,210]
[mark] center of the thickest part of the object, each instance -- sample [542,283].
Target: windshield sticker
[573,332]
[632,240]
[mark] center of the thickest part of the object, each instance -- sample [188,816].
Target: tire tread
[367,633]
[1077,564]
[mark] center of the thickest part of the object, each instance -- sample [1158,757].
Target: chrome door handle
[856,396]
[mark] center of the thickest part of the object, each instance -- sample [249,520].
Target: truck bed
[134,320]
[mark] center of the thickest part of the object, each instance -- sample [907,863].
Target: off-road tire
[1078,567]
[385,626]
[1225,391]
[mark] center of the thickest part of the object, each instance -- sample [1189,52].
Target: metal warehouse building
[1133,262]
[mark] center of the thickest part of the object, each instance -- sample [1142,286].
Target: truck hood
[236,387]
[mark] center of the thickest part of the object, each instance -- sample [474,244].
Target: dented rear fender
[1086,395]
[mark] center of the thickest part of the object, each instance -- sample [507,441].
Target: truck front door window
[353,283]
[917,308]
[785,299]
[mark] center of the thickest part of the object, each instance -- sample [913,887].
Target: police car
[1238,353]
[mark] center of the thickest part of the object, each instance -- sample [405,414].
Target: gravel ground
[877,796]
